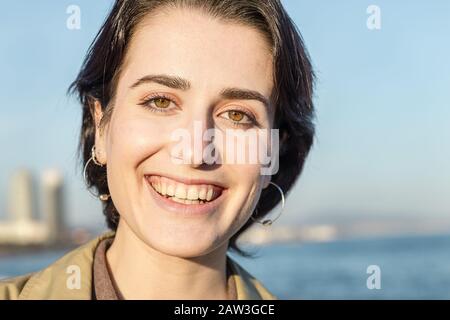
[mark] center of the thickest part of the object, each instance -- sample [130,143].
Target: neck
[141,272]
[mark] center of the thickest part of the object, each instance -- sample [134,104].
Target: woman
[158,66]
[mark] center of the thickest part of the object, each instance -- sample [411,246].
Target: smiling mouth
[188,194]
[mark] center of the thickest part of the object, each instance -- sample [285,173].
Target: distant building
[20,200]
[22,228]
[53,204]
[259,235]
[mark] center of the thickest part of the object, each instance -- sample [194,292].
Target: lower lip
[185,209]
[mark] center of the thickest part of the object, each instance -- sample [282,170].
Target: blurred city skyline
[382,97]
[36,209]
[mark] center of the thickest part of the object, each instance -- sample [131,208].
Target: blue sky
[382,99]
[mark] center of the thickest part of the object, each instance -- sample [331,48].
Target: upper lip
[188,181]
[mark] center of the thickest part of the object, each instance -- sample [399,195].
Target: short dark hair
[292,92]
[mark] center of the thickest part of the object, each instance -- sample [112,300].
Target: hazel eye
[238,118]
[235,115]
[161,103]
[158,103]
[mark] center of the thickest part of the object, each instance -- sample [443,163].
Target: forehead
[210,53]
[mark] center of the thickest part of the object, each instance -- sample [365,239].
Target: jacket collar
[53,282]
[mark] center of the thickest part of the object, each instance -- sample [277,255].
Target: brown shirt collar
[104,287]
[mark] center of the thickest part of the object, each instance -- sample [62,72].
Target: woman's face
[162,201]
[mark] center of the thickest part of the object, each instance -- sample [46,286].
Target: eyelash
[150,99]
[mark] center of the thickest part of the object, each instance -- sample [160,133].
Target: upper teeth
[183,191]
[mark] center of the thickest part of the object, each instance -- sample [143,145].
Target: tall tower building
[53,204]
[21,199]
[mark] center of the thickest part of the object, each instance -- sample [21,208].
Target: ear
[100,144]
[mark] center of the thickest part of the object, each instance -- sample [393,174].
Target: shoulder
[247,286]
[10,288]
[54,281]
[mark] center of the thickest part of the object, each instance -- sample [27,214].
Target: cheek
[133,139]
[248,183]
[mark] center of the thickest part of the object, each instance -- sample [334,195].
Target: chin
[187,246]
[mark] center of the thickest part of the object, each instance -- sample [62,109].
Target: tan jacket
[52,282]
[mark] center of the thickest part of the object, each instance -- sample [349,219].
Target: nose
[195,149]
[196,144]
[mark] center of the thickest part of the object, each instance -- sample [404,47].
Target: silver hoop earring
[93,158]
[268,222]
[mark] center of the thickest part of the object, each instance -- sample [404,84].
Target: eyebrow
[175,82]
